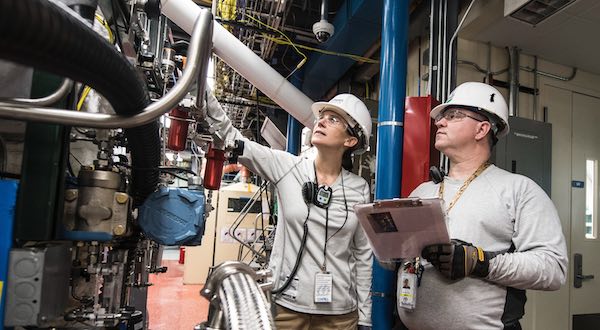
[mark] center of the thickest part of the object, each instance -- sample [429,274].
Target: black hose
[297,264]
[41,34]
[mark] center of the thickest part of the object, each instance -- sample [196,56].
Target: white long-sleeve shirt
[497,211]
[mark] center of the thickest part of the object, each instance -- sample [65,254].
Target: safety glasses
[455,114]
[331,119]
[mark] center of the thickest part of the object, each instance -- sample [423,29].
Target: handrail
[56,96]
[199,52]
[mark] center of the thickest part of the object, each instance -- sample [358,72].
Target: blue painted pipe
[294,127]
[390,131]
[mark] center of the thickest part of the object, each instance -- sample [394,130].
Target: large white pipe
[244,61]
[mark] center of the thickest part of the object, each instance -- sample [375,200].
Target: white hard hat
[482,97]
[355,112]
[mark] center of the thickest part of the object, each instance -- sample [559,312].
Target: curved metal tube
[244,304]
[58,94]
[199,52]
[234,294]
[220,273]
[480,69]
[550,75]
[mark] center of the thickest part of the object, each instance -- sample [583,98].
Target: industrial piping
[390,131]
[244,61]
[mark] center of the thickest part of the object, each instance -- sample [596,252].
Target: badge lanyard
[324,279]
[464,186]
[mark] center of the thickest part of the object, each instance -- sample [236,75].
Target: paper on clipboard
[400,228]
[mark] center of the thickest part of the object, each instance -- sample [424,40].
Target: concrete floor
[172,305]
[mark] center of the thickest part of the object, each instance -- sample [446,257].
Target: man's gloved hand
[458,259]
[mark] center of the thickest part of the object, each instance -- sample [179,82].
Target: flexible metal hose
[244,304]
[236,299]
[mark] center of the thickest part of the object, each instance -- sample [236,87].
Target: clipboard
[400,228]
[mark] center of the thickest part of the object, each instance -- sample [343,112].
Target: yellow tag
[1,283]
[480,253]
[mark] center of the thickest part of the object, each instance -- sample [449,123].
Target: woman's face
[331,130]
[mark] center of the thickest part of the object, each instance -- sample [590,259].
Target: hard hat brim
[438,109]
[317,107]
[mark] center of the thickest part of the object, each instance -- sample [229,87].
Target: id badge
[407,290]
[323,287]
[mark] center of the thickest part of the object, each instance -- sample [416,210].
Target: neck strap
[464,186]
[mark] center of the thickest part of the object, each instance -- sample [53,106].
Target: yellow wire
[351,56]
[304,58]
[105,25]
[86,91]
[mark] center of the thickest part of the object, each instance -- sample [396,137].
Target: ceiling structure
[261,25]
[567,37]
[266,27]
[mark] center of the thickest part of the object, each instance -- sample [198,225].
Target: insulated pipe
[197,53]
[49,36]
[62,90]
[390,131]
[60,34]
[245,62]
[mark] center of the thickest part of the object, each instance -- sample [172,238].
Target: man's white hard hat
[480,97]
[355,112]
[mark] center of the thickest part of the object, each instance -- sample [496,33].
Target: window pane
[591,192]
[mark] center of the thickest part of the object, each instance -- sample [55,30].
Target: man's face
[456,127]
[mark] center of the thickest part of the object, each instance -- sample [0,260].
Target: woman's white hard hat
[355,112]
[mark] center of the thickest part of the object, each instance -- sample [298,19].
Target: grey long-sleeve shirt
[349,255]
[497,210]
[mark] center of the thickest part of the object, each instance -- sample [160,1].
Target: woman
[321,258]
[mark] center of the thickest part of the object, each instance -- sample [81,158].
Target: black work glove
[458,259]
[363,327]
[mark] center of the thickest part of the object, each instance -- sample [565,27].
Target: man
[505,231]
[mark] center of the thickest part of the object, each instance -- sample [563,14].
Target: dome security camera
[323,30]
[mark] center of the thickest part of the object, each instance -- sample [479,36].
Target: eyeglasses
[331,119]
[454,114]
